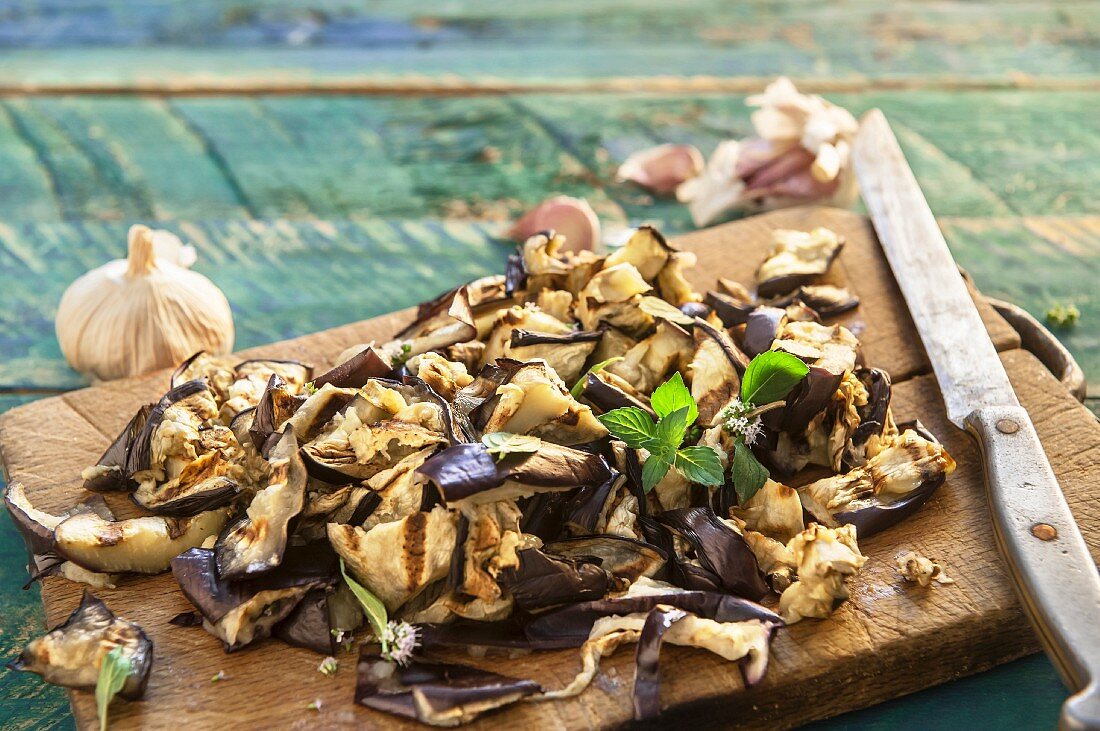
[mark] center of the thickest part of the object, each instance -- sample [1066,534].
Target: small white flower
[315,705]
[737,424]
[752,431]
[328,666]
[399,641]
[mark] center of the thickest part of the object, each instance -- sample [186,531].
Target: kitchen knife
[1054,575]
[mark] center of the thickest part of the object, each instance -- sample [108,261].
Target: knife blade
[1052,571]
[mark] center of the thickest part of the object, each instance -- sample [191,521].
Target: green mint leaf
[373,607]
[770,377]
[654,470]
[502,443]
[672,395]
[113,672]
[657,307]
[671,430]
[578,388]
[630,424]
[699,464]
[748,474]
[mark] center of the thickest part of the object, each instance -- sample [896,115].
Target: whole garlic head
[142,313]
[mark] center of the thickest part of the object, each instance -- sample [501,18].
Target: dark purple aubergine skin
[827,309]
[544,514]
[474,403]
[186,619]
[874,519]
[467,469]
[588,505]
[521,338]
[627,558]
[275,406]
[456,572]
[515,275]
[606,397]
[737,359]
[174,380]
[140,454]
[355,371]
[465,632]
[812,396]
[114,458]
[135,684]
[721,550]
[427,310]
[442,686]
[570,626]
[314,565]
[872,417]
[761,329]
[732,312]
[541,581]
[777,286]
[217,494]
[696,309]
[678,570]
[308,624]
[647,661]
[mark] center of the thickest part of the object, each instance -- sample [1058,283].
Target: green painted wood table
[332,143]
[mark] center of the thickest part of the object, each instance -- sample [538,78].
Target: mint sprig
[676,411]
[113,672]
[769,378]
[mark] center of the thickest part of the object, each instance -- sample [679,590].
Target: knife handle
[1053,572]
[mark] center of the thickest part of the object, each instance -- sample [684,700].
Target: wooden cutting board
[888,640]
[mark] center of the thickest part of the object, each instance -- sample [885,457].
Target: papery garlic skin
[143,313]
[573,218]
[802,154]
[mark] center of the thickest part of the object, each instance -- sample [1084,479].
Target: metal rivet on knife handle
[1044,531]
[1007,426]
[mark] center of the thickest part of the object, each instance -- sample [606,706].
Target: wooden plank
[993,153]
[1037,262]
[106,41]
[871,646]
[282,278]
[285,279]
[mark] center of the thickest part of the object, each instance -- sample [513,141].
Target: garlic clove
[826,165]
[573,218]
[142,313]
[661,169]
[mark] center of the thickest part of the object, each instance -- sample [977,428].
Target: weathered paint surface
[327,40]
[296,202]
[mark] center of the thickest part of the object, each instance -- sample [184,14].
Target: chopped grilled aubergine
[255,542]
[239,612]
[71,654]
[438,694]
[138,545]
[109,473]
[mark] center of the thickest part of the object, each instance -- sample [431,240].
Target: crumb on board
[918,569]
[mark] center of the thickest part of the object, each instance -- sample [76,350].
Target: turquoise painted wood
[333,40]
[296,202]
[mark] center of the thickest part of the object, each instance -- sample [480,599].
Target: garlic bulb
[142,313]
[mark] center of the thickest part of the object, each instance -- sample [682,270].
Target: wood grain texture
[889,640]
[328,41]
[104,158]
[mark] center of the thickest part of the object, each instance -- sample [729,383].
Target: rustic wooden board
[888,640]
